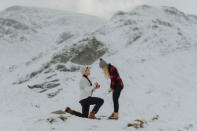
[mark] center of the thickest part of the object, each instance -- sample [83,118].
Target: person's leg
[98,103]
[77,113]
[85,110]
[116,95]
[73,112]
[85,107]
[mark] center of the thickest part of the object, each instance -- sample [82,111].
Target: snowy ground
[159,78]
[163,87]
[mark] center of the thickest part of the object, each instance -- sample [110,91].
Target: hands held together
[96,85]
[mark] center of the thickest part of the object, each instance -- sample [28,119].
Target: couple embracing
[87,88]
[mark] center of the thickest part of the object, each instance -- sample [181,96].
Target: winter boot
[92,115]
[113,116]
[68,110]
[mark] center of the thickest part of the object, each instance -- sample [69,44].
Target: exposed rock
[51,120]
[63,118]
[67,69]
[85,52]
[45,86]
[155,118]
[12,30]
[188,127]
[88,52]
[53,94]
[59,112]
[162,22]
[51,76]
[139,123]
[64,37]
[62,57]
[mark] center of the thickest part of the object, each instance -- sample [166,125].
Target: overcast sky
[103,8]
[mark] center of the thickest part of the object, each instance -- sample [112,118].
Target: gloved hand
[110,90]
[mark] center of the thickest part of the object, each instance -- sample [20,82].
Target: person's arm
[96,85]
[113,75]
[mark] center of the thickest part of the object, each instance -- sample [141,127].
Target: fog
[102,8]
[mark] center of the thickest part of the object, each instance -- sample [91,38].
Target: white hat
[83,69]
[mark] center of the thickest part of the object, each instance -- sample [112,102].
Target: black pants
[85,103]
[116,95]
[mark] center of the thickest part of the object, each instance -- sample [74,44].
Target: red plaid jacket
[116,81]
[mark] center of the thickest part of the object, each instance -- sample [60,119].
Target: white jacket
[85,88]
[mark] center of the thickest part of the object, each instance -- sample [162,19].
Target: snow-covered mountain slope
[154,49]
[156,30]
[27,31]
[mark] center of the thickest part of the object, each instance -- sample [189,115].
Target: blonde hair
[106,71]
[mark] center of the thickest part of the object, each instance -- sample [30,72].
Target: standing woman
[116,84]
[86,99]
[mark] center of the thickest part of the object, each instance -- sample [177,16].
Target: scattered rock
[51,120]
[63,118]
[137,124]
[140,123]
[59,112]
[188,126]
[53,94]
[155,118]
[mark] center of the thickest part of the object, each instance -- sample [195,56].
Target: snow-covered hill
[154,48]
[156,30]
[27,32]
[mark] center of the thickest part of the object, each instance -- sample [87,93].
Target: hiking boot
[113,116]
[68,110]
[92,115]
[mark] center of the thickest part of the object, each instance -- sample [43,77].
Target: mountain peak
[147,10]
[19,8]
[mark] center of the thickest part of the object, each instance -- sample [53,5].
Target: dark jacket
[116,81]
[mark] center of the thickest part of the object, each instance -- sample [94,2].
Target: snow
[158,70]
[48,25]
